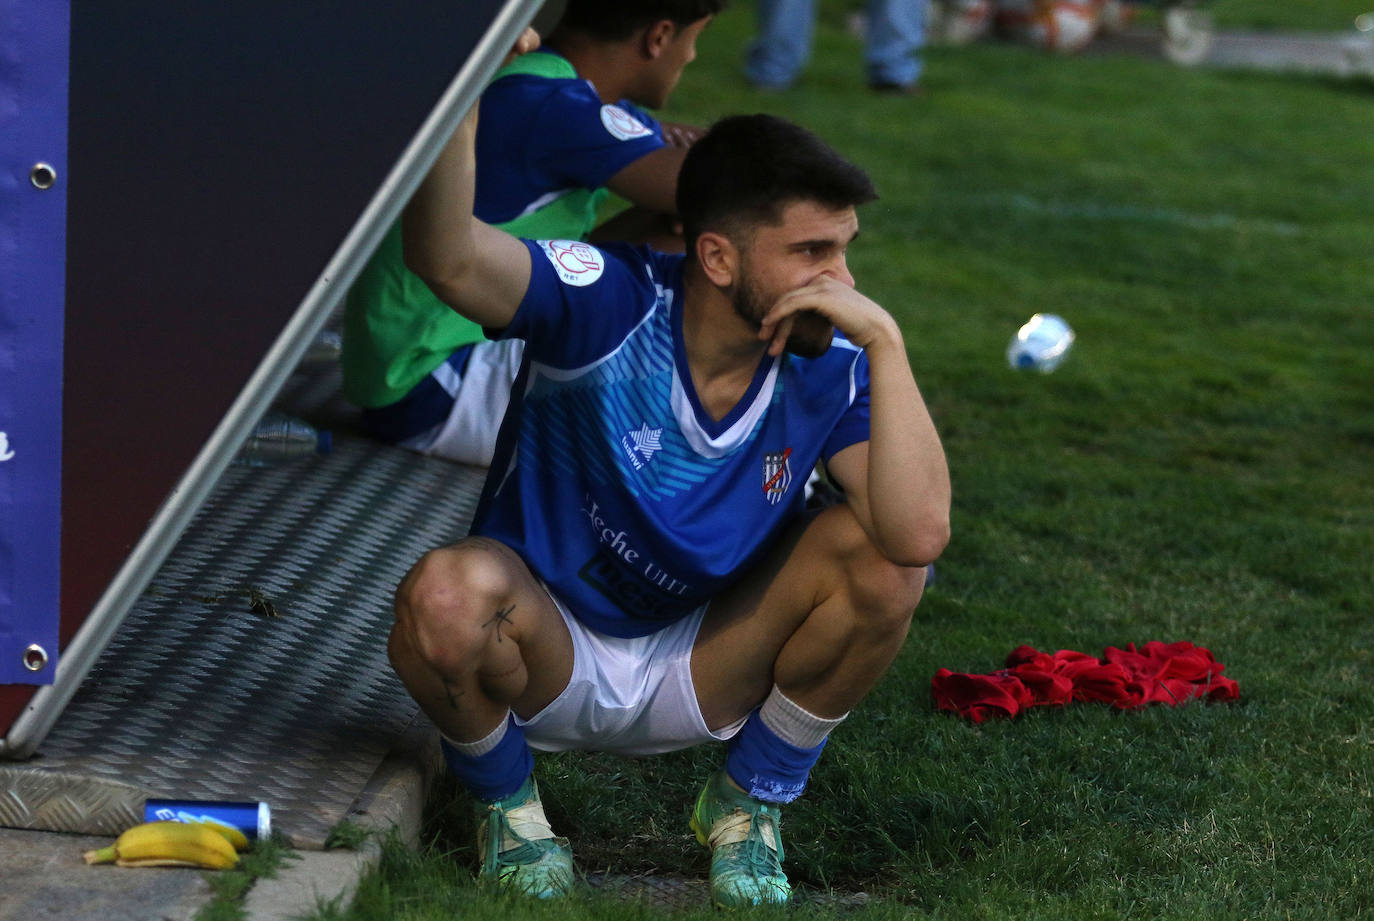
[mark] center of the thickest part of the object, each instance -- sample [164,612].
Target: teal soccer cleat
[746,849]
[518,849]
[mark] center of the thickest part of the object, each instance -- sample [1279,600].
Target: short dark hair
[748,168]
[614,20]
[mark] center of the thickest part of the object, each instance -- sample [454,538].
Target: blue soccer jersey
[544,131]
[612,483]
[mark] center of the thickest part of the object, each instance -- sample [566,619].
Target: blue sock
[499,772]
[767,767]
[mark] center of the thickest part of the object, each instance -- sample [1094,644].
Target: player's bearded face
[811,333]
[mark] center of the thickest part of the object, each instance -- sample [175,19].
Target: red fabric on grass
[1047,687]
[978,697]
[1130,678]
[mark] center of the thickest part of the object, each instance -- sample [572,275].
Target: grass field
[1306,15]
[1201,468]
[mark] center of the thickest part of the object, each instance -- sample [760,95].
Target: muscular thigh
[748,625]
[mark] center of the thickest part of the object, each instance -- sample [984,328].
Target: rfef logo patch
[621,124]
[577,263]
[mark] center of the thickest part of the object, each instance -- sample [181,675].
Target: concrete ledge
[393,799]
[317,877]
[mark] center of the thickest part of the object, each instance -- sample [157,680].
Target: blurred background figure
[1062,26]
[894,36]
[958,22]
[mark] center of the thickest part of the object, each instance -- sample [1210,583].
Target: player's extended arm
[651,181]
[897,482]
[479,271]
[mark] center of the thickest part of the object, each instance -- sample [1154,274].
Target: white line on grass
[1099,211]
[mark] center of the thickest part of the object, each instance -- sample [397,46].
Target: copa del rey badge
[577,263]
[777,475]
[621,124]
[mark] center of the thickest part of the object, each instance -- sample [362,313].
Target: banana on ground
[236,836]
[169,844]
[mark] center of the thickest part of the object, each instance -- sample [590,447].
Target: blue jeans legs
[777,55]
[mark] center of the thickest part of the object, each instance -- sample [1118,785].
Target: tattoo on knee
[499,618]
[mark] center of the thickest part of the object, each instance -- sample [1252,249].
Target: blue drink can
[253,819]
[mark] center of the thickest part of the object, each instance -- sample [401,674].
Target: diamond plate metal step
[254,667]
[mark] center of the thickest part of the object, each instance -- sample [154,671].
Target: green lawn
[1305,15]
[1200,468]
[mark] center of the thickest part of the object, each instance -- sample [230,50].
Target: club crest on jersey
[777,475]
[577,263]
[642,444]
[621,124]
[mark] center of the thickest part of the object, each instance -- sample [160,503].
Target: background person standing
[895,35]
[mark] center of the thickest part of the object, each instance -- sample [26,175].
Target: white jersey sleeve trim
[838,342]
[545,199]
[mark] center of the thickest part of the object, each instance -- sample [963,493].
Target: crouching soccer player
[642,574]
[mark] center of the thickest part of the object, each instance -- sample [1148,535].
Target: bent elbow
[415,264]
[430,271]
[445,281]
[440,263]
[934,545]
[919,546]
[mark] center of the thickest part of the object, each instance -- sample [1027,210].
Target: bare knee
[444,601]
[883,594]
[886,594]
[859,622]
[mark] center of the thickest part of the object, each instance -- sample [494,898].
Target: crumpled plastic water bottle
[278,438]
[1041,344]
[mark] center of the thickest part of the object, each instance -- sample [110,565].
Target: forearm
[908,478]
[640,225]
[651,181]
[897,481]
[436,225]
[479,271]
